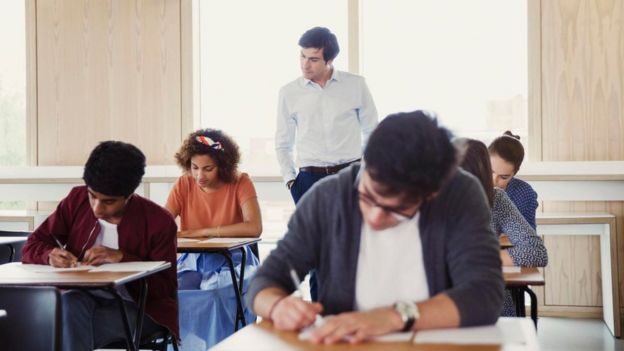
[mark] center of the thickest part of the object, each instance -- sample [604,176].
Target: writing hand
[357,326]
[98,255]
[292,313]
[61,258]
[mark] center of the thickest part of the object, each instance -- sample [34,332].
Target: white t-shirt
[108,235]
[390,266]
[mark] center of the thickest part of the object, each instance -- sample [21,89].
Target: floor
[567,334]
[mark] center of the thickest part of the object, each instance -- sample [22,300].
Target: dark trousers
[303,182]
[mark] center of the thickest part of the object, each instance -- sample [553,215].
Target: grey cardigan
[460,251]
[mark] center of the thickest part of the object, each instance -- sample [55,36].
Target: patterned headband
[209,142]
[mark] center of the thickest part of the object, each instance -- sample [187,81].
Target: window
[248,51]
[464,60]
[12,83]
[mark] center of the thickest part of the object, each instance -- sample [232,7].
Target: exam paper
[512,269]
[226,240]
[188,240]
[44,268]
[128,266]
[505,331]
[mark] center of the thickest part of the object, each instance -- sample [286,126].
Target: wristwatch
[408,311]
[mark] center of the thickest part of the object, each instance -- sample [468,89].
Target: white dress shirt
[390,266]
[330,124]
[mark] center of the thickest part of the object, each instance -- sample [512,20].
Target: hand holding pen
[292,312]
[59,257]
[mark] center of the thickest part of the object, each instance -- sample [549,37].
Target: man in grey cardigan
[401,243]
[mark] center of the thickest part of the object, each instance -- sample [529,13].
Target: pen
[58,242]
[296,281]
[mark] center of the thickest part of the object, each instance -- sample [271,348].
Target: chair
[33,318]
[8,255]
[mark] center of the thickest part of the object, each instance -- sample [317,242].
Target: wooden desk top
[504,242]
[221,245]
[12,274]
[12,239]
[527,276]
[263,337]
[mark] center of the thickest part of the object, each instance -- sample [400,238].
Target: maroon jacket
[147,232]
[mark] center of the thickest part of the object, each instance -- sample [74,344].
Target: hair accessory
[202,139]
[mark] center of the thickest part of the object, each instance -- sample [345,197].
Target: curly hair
[409,154]
[227,156]
[509,148]
[114,168]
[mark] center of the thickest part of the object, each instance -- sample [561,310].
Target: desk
[602,225]
[264,337]
[518,283]
[505,243]
[224,247]
[12,274]
[9,241]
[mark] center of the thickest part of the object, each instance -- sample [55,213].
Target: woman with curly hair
[212,199]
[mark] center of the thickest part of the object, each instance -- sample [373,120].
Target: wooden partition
[577,102]
[108,70]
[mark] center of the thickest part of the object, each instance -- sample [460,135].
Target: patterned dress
[528,249]
[524,197]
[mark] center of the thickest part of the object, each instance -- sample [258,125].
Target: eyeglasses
[82,251]
[395,213]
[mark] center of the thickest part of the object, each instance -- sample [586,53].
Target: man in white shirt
[328,114]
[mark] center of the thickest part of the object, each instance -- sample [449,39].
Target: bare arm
[506,258]
[251,226]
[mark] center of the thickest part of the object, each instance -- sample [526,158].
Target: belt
[326,170]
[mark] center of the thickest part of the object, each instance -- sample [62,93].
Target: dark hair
[475,159]
[408,153]
[226,157]
[509,148]
[321,38]
[114,168]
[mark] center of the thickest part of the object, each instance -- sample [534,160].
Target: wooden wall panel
[578,254]
[108,70]
[582,80]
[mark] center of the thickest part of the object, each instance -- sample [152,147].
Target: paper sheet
[44,268]
[505,331]
[128,266]
[226,240]
[512,269]
[188,240]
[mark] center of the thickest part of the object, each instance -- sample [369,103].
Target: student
[104,221]
[401,243]
[506,156]
[528,249]
[212,199]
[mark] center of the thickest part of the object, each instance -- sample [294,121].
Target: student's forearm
[234,230]
[266,300]
[437,312]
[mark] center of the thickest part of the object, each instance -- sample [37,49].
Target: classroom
[203,174]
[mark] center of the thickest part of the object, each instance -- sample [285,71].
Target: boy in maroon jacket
[105,222]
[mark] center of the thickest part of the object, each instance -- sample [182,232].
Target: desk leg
[124,316]
[239,303]
[140,313]
[12,254]
[533,304]
[242,272]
